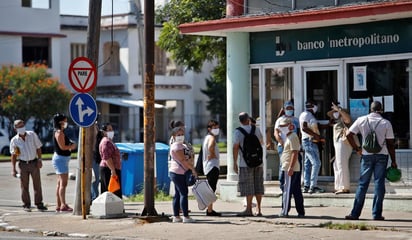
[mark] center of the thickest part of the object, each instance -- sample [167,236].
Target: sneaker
[176,219]
[41,207]
[188,220]
[305,189]
[213,213]
[66,208]
[27,208]
[316,190]
[350,217]
[381,218]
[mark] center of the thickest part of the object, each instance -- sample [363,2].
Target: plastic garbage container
[133,167]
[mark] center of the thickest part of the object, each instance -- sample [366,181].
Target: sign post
[83,108]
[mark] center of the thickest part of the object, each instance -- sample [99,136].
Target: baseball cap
[288,104]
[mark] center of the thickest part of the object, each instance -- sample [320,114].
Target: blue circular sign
[83,109]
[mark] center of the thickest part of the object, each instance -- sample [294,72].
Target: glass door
[321,86]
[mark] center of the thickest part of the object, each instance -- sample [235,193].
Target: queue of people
[25,147]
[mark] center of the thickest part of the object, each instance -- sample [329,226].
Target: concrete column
[238,89]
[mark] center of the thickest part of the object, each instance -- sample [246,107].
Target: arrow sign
[82,74]
[83,109]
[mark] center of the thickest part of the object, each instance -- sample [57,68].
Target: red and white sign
[82,75]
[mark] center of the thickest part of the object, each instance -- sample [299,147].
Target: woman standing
[110,163]
[343,150]
[180,162]
[211,160]
[61,157]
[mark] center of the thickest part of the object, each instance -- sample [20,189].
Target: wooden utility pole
[149,111]
[83,198]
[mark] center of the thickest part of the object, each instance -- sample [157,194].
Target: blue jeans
[180,200]
[95,183]
[312,163]
[375,164]
[281,175]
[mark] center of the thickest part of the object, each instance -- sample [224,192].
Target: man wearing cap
[372,163]
[288,113]
[25,147]
[310,138]
[250,179]
[290,167]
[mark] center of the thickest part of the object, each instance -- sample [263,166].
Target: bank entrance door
[321,85]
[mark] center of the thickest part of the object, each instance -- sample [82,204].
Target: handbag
[203,193]
[113,184]
[190,179]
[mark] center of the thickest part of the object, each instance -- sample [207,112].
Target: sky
[81,7]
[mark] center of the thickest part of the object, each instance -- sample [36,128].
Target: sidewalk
[398,225]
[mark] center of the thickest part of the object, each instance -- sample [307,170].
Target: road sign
[82,74]
[83,109]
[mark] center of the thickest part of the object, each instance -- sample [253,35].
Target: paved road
[229,226]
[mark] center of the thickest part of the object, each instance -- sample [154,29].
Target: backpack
[252,150]
[371,144]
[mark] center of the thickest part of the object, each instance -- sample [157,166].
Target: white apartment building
[45,35]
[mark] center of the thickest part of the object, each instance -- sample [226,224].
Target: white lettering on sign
[310,45]
[373,39]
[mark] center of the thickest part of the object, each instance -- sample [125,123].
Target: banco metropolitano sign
[332,42]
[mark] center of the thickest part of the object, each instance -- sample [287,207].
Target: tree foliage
[192,51]
[189,50]
[31,92]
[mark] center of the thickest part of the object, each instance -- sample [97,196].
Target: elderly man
[25,147]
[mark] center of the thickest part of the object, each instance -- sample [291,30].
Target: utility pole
[82,201]
[149,111]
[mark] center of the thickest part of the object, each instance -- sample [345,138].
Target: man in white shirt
[375,163]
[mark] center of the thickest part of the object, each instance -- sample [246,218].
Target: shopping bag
[113,184]
[203,193]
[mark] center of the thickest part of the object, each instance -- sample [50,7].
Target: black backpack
[371,144]
[252,150]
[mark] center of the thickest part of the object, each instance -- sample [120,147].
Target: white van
[4,143]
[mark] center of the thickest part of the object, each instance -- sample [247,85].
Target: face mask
[336,115]
[110,134]
[289,113]
[215,131]
[315,109]
[284,130]
[21,130]
[65,125]
[180,139]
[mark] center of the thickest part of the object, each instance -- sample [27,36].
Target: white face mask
[110,134]
[65,125]
[315,109]
[21,130]
[284,130]
[180,139]
[335,115]
[215,131]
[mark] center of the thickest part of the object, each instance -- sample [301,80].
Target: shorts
[251,181]
[61,163]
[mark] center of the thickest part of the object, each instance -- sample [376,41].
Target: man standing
[375,163]
[25,147]
[288,113]
[310,139]
[250,179]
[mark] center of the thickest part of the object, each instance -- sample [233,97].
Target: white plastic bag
[203,193]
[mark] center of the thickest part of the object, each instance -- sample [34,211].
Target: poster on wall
[359,78]
[358,107]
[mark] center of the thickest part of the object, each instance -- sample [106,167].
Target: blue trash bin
[133,167]
[162,168]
